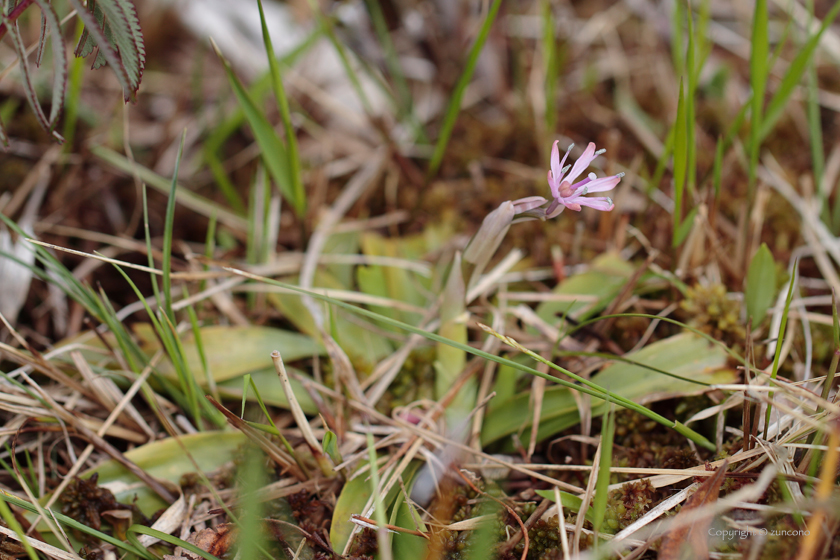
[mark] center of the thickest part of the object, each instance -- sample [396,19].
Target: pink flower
[569,195]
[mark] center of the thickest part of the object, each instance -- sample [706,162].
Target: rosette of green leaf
[686,355]
[274,153]
[587,387]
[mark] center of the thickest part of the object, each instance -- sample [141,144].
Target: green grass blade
[690,117]
[274,153]
[680,161]
[779,340]
[166,537]
[73,524]
[602,485]
[793,76]
[283,104]
[759,70]
[454,106]
[167,234]
[13,524]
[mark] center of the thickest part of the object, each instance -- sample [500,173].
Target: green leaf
[596,287]
[602,485]
[283,106]
[759,56]
[232,351]
[273,151]
[680,160]
[166,460]
[686,355]
[761,285]
[113,27]
[568,501]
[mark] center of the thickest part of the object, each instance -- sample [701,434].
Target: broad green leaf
[686,354]
[352,500]
[760,290]
[597,287]
[405,515]
[363,346]
[271,389]
[273,151]
[233,351]
[166,460]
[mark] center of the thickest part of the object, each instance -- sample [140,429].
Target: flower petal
[555,177]
[603,184]
[603,203]
[582,163]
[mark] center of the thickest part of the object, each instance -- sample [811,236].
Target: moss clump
[709,310]
[627,504]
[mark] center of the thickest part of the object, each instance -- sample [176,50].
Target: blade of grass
[454,106]
[274,153]
[779,339]
[185,197]
[283,105]
[166,266]
[73,524]
[602,485]
[13,524]
[680,161]
[587,387]
[792,77]
[759,55]
[690,117]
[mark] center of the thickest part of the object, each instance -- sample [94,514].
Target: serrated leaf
[28,86]
[761,285]
[112,26]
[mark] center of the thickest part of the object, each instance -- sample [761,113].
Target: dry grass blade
[692,541]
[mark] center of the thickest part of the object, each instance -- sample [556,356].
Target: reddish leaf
[692,539]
